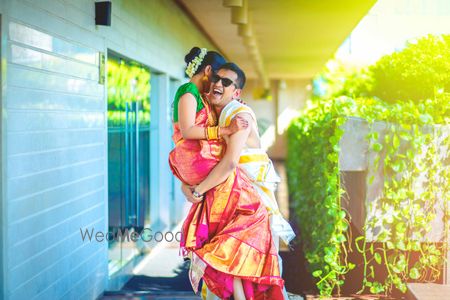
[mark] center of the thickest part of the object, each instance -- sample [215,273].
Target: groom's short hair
[240,74]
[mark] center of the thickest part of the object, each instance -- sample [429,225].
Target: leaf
[317,273]
[377,147]
[400,227]
[401,245]
[396,167]
[389,245]
[341,238]
[425,118]
[378,287]
[414,273]
[405,136]
[377,258]
[434,259]
[395,141]
[372,272]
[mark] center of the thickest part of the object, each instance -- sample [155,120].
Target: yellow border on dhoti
[233,113]
[246,158]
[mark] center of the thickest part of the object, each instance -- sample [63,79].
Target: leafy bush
[420,71]
[417,73]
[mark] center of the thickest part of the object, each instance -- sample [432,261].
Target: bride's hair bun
[197,59]
[195,51]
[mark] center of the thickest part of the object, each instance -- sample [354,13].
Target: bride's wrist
[198,191]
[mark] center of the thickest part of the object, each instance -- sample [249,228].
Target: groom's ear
[237,93]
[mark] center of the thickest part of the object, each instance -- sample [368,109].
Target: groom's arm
[230,160]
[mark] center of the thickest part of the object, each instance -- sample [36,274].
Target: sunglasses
[226,82]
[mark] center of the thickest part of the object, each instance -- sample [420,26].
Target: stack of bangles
[212,132]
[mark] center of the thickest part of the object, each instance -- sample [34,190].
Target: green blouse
[184,89]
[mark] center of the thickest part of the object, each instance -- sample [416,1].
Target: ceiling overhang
[294,38]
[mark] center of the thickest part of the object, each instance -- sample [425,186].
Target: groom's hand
[241,101]
[237,124]
[187,191]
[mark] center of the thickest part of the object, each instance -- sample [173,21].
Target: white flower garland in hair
[195,63]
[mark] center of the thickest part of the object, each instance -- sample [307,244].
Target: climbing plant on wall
[314,187]
[411,152]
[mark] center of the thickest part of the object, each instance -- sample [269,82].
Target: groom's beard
[219,106]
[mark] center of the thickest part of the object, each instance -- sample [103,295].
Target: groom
[243,149]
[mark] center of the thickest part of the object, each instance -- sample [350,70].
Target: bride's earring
[205,78]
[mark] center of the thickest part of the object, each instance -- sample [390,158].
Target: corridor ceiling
[295,37]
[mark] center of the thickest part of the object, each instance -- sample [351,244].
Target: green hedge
[420,71]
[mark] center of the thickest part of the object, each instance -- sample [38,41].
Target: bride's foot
[238,289]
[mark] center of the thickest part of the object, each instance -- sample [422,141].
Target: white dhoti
[259,168]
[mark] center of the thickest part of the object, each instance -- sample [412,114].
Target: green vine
[408,142]
[403,214]
[313,170]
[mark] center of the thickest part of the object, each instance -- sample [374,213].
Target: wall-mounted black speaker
[103,13]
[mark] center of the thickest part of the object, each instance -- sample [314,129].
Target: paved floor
[428,291]
[162,274]
[169,295]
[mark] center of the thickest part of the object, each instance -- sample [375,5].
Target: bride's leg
[238,289]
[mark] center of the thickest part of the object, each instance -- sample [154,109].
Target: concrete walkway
[162,274]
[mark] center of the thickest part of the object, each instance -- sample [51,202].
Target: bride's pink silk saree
[228,233]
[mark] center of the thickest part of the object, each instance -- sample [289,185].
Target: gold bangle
[216,132]
[213,132]
[210,133]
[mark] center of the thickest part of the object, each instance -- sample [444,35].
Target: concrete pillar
[160,146]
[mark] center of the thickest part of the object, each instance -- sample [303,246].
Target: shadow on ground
[180,282]
[297,278]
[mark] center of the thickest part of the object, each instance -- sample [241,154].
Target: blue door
[128,157]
